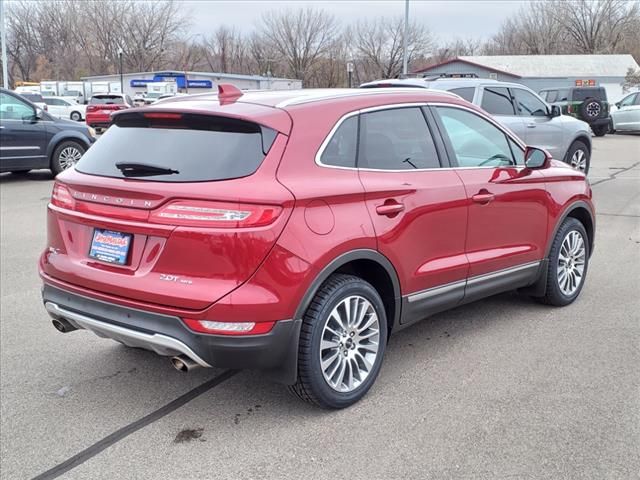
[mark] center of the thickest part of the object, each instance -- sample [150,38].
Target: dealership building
[544,71]
[194,82]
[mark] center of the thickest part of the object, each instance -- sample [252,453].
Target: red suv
[101,106]
[292,232]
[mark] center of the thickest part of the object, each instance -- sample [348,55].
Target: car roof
[440,83]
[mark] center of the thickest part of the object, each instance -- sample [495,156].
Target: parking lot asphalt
[502,388]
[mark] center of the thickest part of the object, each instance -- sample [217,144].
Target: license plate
[109,246]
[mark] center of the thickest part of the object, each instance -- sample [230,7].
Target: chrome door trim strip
[442,289]
[35,147]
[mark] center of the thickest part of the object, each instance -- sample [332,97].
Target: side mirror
[536,158]
[618,104]
[555,111]
[39,114]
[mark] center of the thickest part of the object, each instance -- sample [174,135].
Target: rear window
[106,99]
[192,148]
[581,94]
[33,97]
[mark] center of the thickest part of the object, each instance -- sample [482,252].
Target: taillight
[229,328]
[61,197]
[196,213]
[91,108]
[569,109]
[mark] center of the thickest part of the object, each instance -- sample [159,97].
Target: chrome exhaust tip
[183,363]
[62,325]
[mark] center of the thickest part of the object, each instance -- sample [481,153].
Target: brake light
[197,213]
[229,328]
[569,109]
[163,116]
[61,197]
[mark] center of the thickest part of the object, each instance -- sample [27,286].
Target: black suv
[588,104]
[31,138]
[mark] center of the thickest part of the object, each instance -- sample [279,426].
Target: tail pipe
[184,363]
[63,325]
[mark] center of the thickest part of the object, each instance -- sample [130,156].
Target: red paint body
[260,274]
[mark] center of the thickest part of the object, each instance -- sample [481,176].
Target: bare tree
[227,51]
[299,38]
[378,47]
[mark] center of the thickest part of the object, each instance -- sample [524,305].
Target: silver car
[627,116]
[521,110]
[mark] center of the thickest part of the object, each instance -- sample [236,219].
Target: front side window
[11,108]
[528,104]
[341,149]
[627,101]
[550,96]
[396,139]
[497,101]
[476,142]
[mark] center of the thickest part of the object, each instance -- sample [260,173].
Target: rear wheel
[568,262]
[76,116]
[578,156]
[600,131]
[342,343]
[66,155]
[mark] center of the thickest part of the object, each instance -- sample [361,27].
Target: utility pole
[405,59]
[120,52]
[349,72]
[3,27]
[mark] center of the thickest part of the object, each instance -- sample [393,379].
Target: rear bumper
[167,335]
[601,121]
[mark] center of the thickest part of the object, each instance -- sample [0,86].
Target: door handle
[531,125]
[483,197]
[390,208]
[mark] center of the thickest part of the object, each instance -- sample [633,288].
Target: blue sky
[445,19]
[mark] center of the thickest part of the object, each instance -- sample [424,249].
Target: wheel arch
[582,212]
[371,266]
[63,137]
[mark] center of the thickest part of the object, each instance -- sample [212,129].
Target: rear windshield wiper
[143,169]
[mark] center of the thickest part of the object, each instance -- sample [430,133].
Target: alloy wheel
[571,263]
[593,109]
[579,160]
[349,343]
[69,156]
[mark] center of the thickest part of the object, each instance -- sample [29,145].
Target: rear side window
[396,139]
[33,97]
[191,148]
[341,149]
[106,100]
[466,93]
[497,101]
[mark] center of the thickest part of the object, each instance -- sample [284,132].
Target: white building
[194,82]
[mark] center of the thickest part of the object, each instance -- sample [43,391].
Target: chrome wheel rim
[349,344]
[69,156]
[579,160]
[75,116]
[593,109]
[571,263]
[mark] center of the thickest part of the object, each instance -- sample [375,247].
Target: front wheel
[66,155]
[578,157]
[568,263]
[342,343]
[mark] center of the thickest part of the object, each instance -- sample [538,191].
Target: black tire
[554,295]
[57,162]
[600,131]
[311,385]
[76,116]
[591,109]
[573,156]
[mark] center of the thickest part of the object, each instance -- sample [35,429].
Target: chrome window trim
[333,130]
[440,289]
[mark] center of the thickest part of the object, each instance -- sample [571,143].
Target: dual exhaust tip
[181,362]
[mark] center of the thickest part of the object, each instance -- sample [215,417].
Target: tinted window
[628,100]
[197,148]
[528,104]
[497,101]
[581,94]
[466,93]
[563,95]
[33,97]
[12,108]
[476,142]
[341,149]
[105,99]
[54,101]
[396,139]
